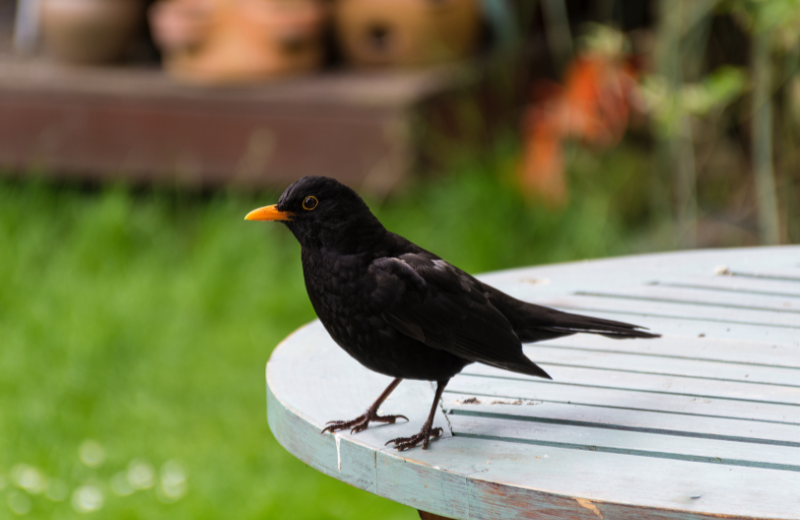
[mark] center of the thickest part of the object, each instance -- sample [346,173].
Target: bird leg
[361,422]
[426,433]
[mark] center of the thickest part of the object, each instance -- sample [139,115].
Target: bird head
[323,213]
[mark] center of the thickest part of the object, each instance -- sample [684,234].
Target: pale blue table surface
[703,422]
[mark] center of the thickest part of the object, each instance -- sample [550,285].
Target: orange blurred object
[234,41]
[406,33]
[593,105]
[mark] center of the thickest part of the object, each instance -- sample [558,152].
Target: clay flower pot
[88,31]
[406,32]
[234,41]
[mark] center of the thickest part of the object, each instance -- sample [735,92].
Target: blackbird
[404,312]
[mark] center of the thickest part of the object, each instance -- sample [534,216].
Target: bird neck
[351,236]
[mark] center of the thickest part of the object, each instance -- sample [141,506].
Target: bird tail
[533,322]
[522,366]
[566,323]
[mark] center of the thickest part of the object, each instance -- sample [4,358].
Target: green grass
[144,320]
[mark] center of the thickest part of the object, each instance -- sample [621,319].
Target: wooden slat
[665,366]
[652,444]
[617,418]
[688,311]
[139,125]
[677,385]
[730,284]
[688,348]
[691,327]
[790,275]
[693,297]
[504,386]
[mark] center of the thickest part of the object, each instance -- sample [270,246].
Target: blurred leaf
[779,17]
[716,91]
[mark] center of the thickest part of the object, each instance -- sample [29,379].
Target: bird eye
[310,203]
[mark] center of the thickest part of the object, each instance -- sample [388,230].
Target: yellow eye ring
[310,203]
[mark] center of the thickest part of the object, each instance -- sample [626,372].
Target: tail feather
[522,366]
[533,322]
[574,323]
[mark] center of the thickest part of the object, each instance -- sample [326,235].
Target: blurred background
[138,309]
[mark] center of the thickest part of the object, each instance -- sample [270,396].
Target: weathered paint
[703,423]
[589,505]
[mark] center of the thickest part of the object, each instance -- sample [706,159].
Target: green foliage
[135,329]
[779,17]
[714,92]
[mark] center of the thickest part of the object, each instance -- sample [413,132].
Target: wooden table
[702,423]
[369,129]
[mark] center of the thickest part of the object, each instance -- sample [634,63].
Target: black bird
[402,311]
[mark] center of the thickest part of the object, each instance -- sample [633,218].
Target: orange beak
[269,213]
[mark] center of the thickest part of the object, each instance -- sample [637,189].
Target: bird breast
[334,283]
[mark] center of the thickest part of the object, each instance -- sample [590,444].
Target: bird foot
[361,422]
[424,437]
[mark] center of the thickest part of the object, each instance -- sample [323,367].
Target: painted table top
[703,422]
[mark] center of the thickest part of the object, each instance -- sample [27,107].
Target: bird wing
[424,297]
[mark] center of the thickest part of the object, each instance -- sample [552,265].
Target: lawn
[135,326]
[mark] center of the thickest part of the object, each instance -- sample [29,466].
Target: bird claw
[361,422]
[424,437]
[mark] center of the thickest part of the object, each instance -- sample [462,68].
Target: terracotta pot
[406,32]
[89,31]
[230,41]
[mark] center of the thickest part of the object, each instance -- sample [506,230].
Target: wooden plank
[647,294]
[645,444]
[201,141]
[582,358]
[617,418]
[507,386]
[358,89]
[692,327]
[683,310]
[137,124]
[790,275]
[140,125]
[730,284]
[687,348]
[674,384]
